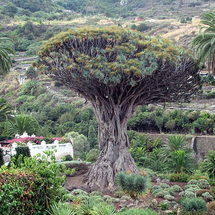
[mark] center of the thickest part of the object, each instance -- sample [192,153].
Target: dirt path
[75,181]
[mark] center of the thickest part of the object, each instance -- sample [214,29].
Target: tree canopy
[6,48]
[102,61]
[205,41]
[117,69]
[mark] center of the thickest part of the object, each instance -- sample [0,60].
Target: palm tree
[174,143]
[6,111]
[205,41]
[21,124]
[6,48]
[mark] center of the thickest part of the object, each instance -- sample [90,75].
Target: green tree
[31,73]
[6,111]
[180,161]
[205,41]
[21,124]
[118,69]
[176,155]
[6,48]
[80,144]
[92,137]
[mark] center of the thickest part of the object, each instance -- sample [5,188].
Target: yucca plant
[87,205]
[102,209]
[132,184]
[60,208]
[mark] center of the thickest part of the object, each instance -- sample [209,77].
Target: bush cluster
[148,119]
[30,186]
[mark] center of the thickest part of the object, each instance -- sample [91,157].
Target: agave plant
[132,184]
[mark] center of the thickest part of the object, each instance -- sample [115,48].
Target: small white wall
[62,149]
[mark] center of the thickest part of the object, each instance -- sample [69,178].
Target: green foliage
[143,63]
[60,208]
[197,175]
[163,206]
[210,95]
[208,164]
[180,177]
[204,42]
[132,184]
[32,187]
[203,184]
[34,5]
[1,158]
[193,206]
[147,120]
[81,145]
[31,73]
[176,188]
[6,48]
[177,156]
[67,158]
[22,123]
[92,137]
[92,155]
[6,111]
[23,151]
[142,27]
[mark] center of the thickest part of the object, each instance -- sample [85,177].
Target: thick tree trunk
[114,150]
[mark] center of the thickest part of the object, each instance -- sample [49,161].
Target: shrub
[60,208]
[193,206]
[78,192]
[67,158]
[179,177]
[176,188]
[162,193]
[188,186]
[203,184]
[169,197]
[1,158]
[31,188]
[118,194]
[208,164]
[207,197]
[92,205]
[211,208]
[164,185]
[132,184]
[210,95]
[23,151]
[193,181]
[197,175]
[187,194]
[92,155]
[213,191]
[19,192]
[163,206]
[96,193]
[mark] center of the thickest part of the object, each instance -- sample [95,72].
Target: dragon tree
[117,69]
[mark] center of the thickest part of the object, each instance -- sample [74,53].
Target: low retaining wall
[200,145]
